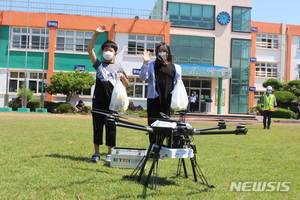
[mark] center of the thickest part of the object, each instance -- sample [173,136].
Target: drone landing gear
[196,171]
[153,155]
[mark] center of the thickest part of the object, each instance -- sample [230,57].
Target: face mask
[269,91]
[107,55]
[163,55]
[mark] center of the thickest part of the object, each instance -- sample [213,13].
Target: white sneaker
[95,158]
[108,158]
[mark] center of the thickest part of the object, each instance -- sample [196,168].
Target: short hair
[109,43]
[170,57]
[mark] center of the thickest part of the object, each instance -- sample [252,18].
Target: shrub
[142,113]
[55,106]
[283,113]
[283,97]
[49,105]
[280,113]
[33,104]
[15,103]
[65,108]
[128,112]
[89,109]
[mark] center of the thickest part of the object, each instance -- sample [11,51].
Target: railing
[40,7]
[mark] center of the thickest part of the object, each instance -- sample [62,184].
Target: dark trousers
[267,118]
[98,125]
[192,107]
[154,108]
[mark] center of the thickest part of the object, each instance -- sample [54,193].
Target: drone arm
[240,130]
[112,120]
[131,126]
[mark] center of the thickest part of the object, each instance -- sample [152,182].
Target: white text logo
[260,186]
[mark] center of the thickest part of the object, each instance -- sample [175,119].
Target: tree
[68,83]
[284,98]
[29,93]
[276,85]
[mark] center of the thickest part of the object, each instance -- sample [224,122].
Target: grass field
[46,156]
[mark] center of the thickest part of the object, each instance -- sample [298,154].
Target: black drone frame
[175,137]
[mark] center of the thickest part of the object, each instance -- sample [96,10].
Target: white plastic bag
[119,100]
[179,99]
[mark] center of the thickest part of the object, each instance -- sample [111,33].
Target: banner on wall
[202,70]
[223,97]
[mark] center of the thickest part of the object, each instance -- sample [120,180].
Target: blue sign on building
[80,67]
[252,89]
[254,29]
[253,59]
[52,24]
[136,71]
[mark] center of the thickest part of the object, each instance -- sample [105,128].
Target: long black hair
[169,57]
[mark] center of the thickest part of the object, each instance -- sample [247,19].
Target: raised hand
[101,29]
[146,56]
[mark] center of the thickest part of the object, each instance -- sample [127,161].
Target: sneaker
[108,158]
[95,158]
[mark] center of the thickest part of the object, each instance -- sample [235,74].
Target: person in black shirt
[106,73]
[81,107]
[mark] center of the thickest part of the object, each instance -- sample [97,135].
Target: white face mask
[163,55]
[108,55]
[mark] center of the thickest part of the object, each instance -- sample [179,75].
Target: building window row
[33,81]
[241,19]
[73,41]
[269,70]
[267,41]
[137,88]
[29,38]
[192,15]
[192,49]
[203,16]
[137,44]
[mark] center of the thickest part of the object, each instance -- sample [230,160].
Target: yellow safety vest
[268,102]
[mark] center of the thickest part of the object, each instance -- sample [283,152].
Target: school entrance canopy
[212,71]
[203,70]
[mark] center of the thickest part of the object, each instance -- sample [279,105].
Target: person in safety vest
[268,104]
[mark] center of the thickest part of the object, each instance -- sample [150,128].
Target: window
[191,15]
[267,41]
[34,81]
[257,95]
[298,77]
[192,49]
[72,41]
[269,70]
[29,38]
[241,19]
[239,94]
[86,92]
[138,43]
[137,88]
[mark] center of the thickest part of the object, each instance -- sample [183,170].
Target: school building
[224,56]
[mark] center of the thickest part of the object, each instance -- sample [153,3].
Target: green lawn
[46,156]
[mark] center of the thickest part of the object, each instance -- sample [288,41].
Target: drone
[169,135]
